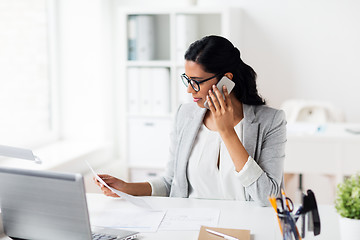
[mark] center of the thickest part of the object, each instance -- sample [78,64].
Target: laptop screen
[47,205]
[43,205]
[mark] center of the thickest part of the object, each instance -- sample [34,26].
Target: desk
[327,150]
[261,221]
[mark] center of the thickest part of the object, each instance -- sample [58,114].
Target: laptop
[48,205]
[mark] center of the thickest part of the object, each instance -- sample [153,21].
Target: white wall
[300,48]
[304,49]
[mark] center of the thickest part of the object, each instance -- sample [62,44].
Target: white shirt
[206,179]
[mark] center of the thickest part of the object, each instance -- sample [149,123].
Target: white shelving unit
[143,133]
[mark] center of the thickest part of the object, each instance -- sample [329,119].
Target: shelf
[153,63]
[67,156]
[159,166]
[174,10]
[140,115]
[146,110]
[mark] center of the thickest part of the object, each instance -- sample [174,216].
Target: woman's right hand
[112,182]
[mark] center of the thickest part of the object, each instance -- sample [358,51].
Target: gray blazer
[264,138]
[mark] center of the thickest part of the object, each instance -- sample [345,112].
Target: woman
[233,150]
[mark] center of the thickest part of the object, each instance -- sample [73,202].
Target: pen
[221,235]
[284,201]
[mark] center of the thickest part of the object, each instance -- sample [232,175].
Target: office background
[300,49]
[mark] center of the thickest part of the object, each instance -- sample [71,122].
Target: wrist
[138,189]
[227,133]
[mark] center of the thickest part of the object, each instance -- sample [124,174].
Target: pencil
[274,205]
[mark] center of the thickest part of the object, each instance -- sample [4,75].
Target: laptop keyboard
[102,236]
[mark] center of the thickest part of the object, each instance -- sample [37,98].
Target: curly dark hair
[218,55]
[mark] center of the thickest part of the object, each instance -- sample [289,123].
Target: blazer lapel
[250,131]
[189,134]
[190,131]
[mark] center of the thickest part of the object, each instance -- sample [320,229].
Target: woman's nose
[190,89]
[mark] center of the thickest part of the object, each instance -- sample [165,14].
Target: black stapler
[309,208]
[314,218]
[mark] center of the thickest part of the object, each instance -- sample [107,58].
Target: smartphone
[223,81]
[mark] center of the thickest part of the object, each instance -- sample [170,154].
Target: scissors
[284,204]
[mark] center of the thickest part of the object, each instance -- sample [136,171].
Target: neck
[238,108]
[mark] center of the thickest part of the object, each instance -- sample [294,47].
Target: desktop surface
[329,150]
[261,221]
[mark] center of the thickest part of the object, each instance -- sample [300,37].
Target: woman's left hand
[221,109]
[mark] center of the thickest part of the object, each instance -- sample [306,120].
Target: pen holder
[287,217]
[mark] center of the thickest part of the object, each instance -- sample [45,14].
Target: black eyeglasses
[195,84]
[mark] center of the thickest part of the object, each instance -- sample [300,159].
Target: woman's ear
[229,75]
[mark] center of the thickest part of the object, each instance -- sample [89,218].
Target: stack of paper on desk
[140,220]
[187,219]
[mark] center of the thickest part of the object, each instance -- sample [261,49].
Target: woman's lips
[196,99]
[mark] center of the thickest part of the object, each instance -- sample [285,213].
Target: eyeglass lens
[193,84]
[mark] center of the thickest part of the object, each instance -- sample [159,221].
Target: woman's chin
[200,104]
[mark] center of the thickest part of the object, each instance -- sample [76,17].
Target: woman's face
[195,71]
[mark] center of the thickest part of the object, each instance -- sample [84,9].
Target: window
[27,102]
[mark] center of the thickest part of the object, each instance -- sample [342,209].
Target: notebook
[236,233]
[47,205]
